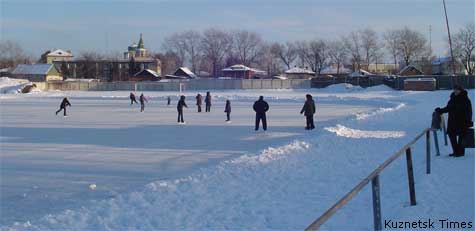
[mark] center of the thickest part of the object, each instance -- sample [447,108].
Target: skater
[227,109]
[63,106]
[199,101]
[459,108]
[179,107]
[308,110]
[261,107]
[132,98]
[208,102]
[142,102]
[168,101]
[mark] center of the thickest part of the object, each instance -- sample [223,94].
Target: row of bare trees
[212,49]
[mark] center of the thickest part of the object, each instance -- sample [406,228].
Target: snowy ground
[151,173]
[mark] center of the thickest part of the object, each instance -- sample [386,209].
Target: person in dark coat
[142,102]
[208,101]
[179,107]
[261,107]
[227,109]
[132,98]
[459,109]
[199,101]
[308,110]
[168,101]
[63,106]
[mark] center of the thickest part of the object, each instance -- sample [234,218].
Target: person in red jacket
[199,101]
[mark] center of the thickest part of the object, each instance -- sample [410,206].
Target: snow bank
[362,116]
[341,130]
[11,86]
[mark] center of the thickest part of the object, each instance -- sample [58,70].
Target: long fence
[202,84]
[374,179]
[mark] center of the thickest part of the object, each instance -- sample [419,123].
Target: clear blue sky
[111,25]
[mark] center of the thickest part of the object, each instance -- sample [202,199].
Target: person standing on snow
[459,108]
[308,110]
[208,101]
[261,107]
[142,102]
[199,101]
[179,107]
[132,98]
[63,106]
[168,101]
[227,109]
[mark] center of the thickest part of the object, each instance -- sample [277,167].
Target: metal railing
[374,179]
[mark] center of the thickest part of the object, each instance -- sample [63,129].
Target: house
[182,73]
[240,71]
[361,73]
[334,70]
[383,68]
[37,72]
[299,73]
[56,55]
[441,66]
[145,75]
[410,70]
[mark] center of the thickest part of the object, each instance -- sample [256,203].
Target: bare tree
[287,53]
[215,44]
[369,45]
[313,53]
[337,54]
[192,40]
[464,47]
[392,43]
[269,61]
[353,46]
[412,44]
[12,54]
[175,43]
[247,46]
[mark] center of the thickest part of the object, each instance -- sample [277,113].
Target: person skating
[169,100]
[132,98]
[199,101]
[63,106]
[179,107]
[308,110]
[261,107]
[227,109]
[208,101]
[142,102]
[459,109]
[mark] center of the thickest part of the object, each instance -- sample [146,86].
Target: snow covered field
[150,173]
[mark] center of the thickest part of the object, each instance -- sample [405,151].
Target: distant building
[383,68]
[37,72]
[361,73]
[145,75]
[136,59]
[240,71]
[441,66]
[56,55]
[299,73]
[410,70]
[182,73]
[136,50]
[335,71]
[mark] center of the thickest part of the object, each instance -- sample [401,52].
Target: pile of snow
[12,86]
[341,130]
[382,110]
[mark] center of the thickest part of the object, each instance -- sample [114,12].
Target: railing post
[428,152]
[376,203]
[436,143]
[410,177]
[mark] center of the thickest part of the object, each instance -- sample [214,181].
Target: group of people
[260,108]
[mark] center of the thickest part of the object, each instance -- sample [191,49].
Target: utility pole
[454,80]
[430,41]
